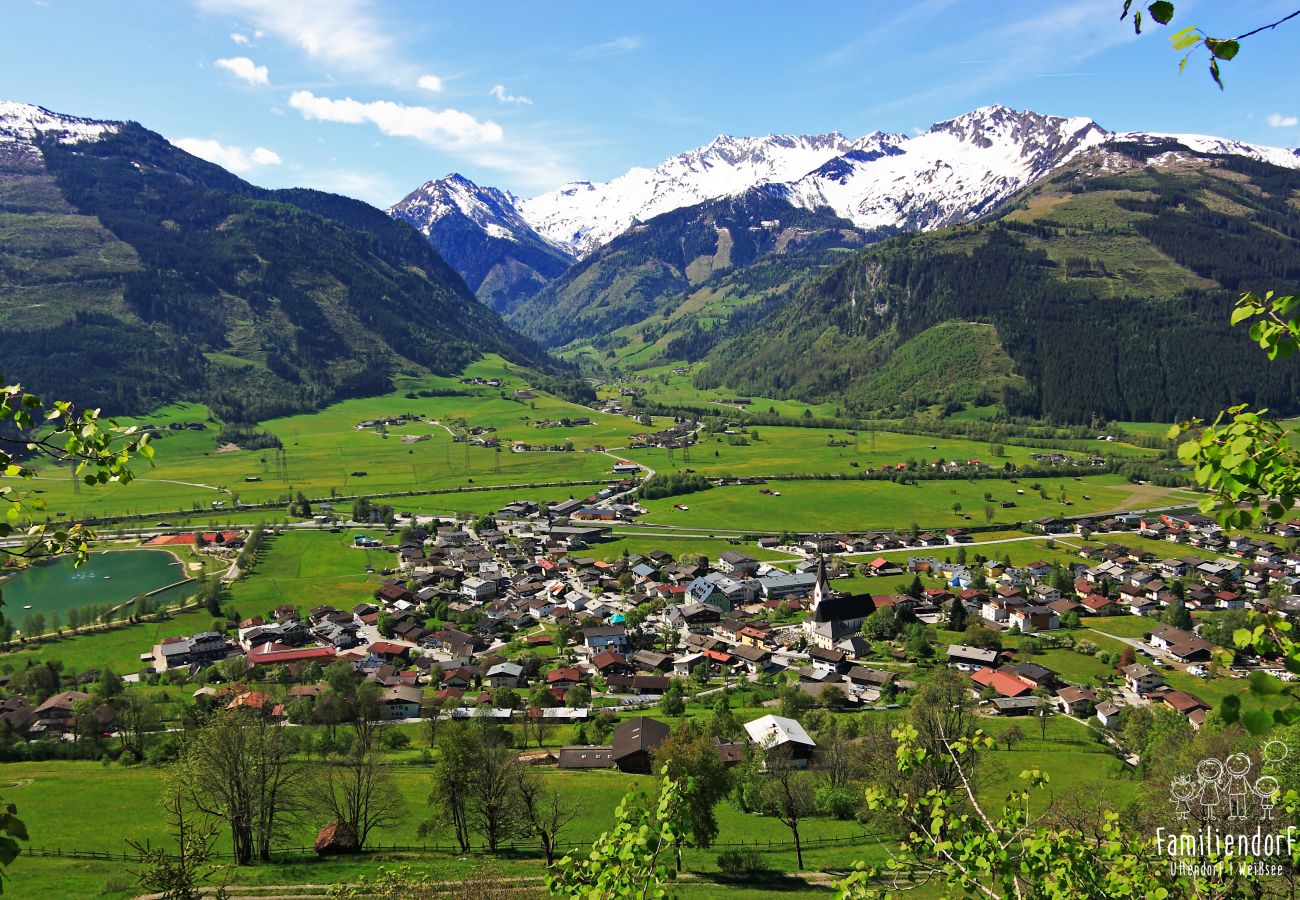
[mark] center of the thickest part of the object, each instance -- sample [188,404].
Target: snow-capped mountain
[584,216]
[954,172]
[883,183]
[22,123]
[481,234]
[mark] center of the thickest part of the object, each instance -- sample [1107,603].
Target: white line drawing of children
[1208,772]
[1183,789]
[1238,766]
[1266,788]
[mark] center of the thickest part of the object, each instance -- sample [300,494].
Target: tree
[358,791]
[1012,736]
[1016,853]
[108,685]
[137,718]
[786,793]
[673,701]
[722,724]
[578,697]
[1177,615]
[629,859]
[97,450]
[691,759]
[449,796]
[882,625]
[179,875]
[544,813]
[916,590]
[957,615]
[242,768]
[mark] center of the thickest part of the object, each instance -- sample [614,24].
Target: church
[834,616]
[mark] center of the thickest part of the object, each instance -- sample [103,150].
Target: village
[510,618]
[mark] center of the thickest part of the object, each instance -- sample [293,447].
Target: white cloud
[1277,120]
[239,38]
[338,32]
[228,157]
[244,69]
[429,83]
[499,91]
[441,128]
[625,44]
[263,157]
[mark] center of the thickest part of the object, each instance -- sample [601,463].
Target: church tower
[821,591]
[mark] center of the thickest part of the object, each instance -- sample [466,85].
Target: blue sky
[372,98]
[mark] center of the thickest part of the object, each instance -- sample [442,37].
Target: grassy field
[53,799]
[322,450]
[864,505]
[812,451]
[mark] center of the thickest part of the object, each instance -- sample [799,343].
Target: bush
[740,862]
[1086,647]
[838,803]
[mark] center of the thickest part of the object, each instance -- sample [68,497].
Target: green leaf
[1162,11]
[1214,73]
[1263,683]
[1188,37]
[1224,50]
[1257,721]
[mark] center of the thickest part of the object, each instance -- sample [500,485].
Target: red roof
[387,648]
[278,654]
[1004,684]
[567,673]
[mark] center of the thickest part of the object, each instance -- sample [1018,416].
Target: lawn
[823,505]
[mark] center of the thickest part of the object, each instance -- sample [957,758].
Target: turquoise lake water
[108,577]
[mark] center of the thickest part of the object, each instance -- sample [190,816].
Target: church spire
[822,589]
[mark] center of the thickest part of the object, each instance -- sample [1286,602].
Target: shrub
[740,862]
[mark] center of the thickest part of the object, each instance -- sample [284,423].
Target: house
[606,637]
[56,713]
[586,757]
[1031,619]
[1181,644]
[741,565]
[506,675]
[402,702]
[777,731]
[200,649]
[1016,706]
[1185,703]
[1108,714]
[1076,701]
[635,741]
[970,659]
[649,661]
[1004,684]
[1141,680]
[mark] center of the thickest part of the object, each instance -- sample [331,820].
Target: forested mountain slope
[1108,285]
[625,281]
[132,273]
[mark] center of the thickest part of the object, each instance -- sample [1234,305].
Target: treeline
[671,484]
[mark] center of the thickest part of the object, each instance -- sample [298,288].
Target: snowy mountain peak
[583,215]
[492,210]
[23,122]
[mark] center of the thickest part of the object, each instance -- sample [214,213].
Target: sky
[371,98]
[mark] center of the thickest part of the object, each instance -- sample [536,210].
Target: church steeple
[822,590]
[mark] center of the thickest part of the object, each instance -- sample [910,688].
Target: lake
[108,577]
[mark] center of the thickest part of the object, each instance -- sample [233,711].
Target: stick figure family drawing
[1226,784]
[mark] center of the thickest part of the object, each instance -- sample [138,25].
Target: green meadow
[827,505]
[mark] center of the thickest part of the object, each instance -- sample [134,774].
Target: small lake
[108,577]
